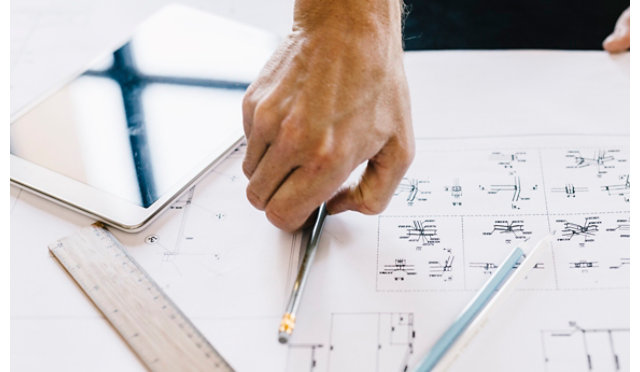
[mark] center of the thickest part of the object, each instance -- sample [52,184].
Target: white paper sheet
[510,145]
[384,287]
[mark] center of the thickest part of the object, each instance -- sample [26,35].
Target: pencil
[289,319]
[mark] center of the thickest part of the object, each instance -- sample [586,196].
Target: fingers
[272,171]
[379,181]
[304,135]
[262,122]
[303,191]
[264,131]
[620,39]
[616,43]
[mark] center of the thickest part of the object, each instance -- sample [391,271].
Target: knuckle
[325,155]
[372,205]
[265,115]
[254,198]
[248,102]
[292,130]
[408,154]
[246,126]
[248,105]
[281,219]
[318,165]
[247,168]
[404,153]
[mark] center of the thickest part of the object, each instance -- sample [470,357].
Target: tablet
[124,138]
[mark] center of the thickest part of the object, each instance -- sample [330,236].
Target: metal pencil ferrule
[287,323]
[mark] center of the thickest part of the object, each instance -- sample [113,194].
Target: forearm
[365,33]
[351,17]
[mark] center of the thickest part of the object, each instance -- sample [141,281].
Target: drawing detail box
[123,139]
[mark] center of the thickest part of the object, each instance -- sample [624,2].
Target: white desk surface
[454,94]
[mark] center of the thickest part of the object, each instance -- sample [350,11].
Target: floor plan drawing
[386,345]
[585,349]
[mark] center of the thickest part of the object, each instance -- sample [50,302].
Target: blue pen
[478,303]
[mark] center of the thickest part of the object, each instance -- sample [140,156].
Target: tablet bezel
[102,205]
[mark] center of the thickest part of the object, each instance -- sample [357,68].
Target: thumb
[378,183]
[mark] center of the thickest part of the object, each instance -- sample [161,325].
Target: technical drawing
[581,349]
[384,343]
[623,227]
[488,268]
[456,193]
[419,253]
[302,357]
[399,270]
[514,228]
[184,201]
[514,188]
[508,160]
[414,189]
[587,230]
[602,160]
[518,190]
[570,190]
[182,204]
[588,255]
[583,265]
[442,268]
[423,232]
[182,238]
[538,265]
[489,239]
[624,261]
[236,154]
[621,189]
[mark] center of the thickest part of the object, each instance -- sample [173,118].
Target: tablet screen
[139,119]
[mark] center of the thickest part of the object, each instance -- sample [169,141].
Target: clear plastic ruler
[153,326]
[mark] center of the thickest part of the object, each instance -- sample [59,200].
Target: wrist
[351,19]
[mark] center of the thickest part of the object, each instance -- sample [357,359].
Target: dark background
[505,24]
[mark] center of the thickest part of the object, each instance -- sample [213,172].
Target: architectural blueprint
[384,287]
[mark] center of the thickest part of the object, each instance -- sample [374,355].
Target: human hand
[331,97]
[620,39]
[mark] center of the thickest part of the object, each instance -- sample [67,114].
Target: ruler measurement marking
[158,332]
